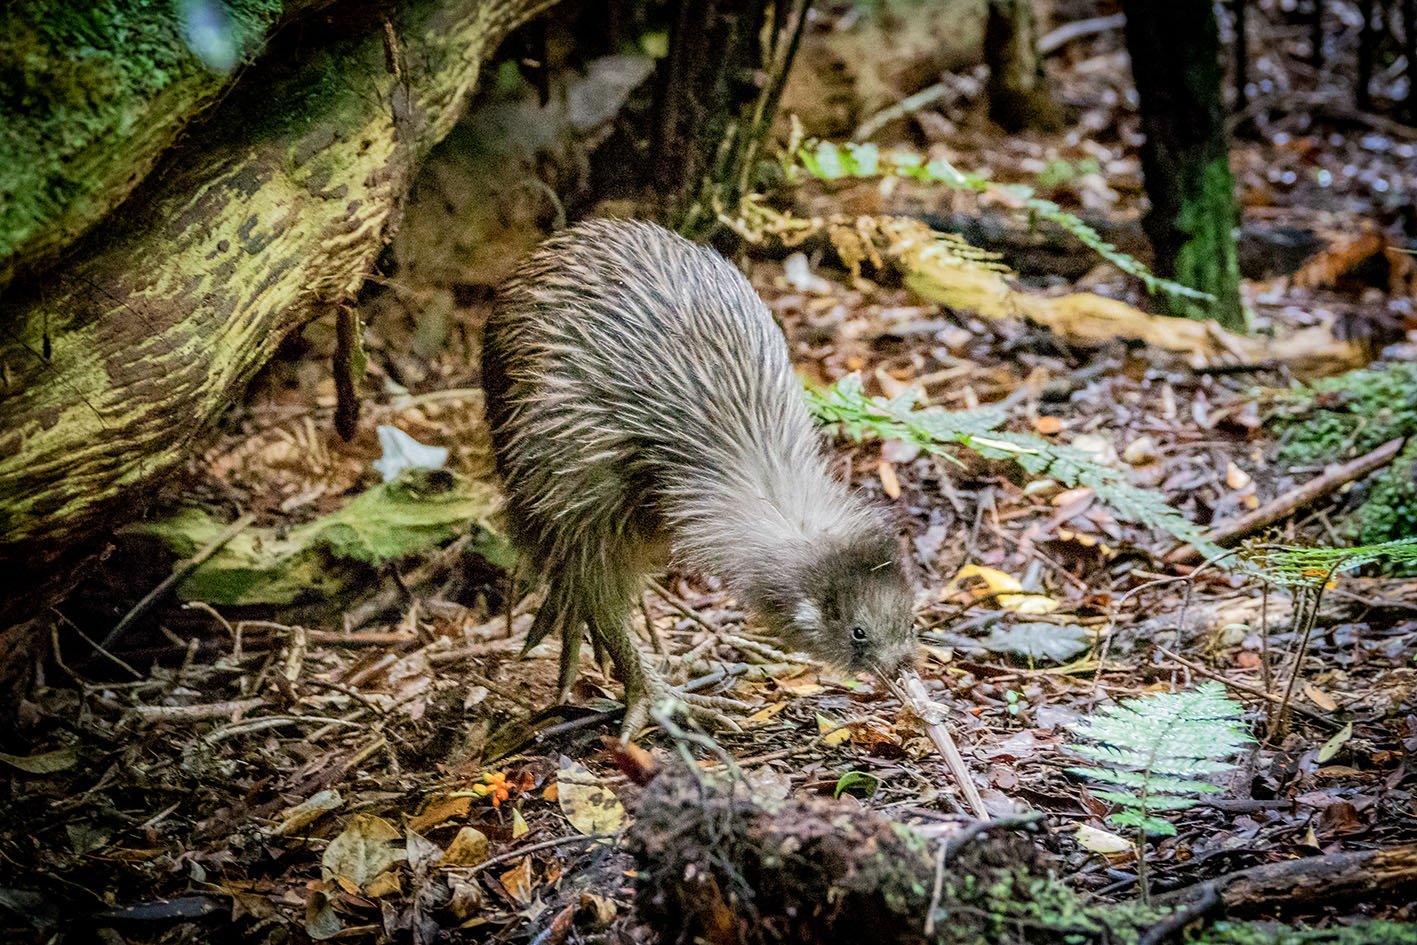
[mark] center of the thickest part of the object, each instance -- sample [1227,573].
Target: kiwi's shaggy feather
[642,405]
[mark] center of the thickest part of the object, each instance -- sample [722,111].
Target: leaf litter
[378,764]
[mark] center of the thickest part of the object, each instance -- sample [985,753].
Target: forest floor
[363,774]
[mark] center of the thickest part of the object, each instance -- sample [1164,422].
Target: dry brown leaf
[361,852]
[468,848]
[440,811]
[519,881]
[305,813]
[1320,698]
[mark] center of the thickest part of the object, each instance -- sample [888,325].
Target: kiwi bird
[644,414]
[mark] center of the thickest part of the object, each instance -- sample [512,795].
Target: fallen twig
[1292,501]
[178,575]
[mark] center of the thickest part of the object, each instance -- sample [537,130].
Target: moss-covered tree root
[270,213]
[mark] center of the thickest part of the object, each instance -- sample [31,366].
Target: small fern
[1298,566]
[1156,751]
[826,160]
[846,406]
[1157,748]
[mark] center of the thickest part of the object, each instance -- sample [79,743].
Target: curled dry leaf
[590,806]
[302,815]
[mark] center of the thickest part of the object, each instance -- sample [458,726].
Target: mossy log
[270,212]
[717,865]
[92,93]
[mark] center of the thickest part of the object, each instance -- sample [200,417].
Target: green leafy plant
[826,160]
[847,407]
[1156,751]
[1307,572]
[856,782]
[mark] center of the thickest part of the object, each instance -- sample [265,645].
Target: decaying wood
[121,83]
[271,213]
[1360,875]
[720,867]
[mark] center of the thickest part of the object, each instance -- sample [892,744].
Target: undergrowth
[1155,753]
[847,407]
[1348,415]
[825,160]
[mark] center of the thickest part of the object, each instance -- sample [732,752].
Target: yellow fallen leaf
[440,811]
[590,806]
[1102,841]
[519,827]
[1000,585]
[833,732]
[890,482]
[1236,478]
[766,712]
[385,884]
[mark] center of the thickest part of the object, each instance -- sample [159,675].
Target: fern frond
[846,406]
[1154,752]
[829,161]
[1298,566]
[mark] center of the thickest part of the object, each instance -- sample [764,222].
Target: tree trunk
[1018,91]
[714,100]
[82,130]
[1175,52]
[270,213]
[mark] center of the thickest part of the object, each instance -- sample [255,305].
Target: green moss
[1208,260]
[1390,511]
[1346,416]
[89,94]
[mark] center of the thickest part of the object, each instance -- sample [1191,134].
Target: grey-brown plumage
[643,410]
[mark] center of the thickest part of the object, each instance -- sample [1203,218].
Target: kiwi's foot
[657,692]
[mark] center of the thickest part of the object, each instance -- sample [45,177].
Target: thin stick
[536,848]
[1292,501]
[1208,673]
[912,693]
[178,575]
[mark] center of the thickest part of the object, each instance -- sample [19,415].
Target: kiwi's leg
[570,660]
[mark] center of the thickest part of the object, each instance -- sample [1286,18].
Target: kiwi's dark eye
[858,634]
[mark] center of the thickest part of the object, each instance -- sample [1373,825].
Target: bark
[1018,91]
[83,130]
[715,97]
[269,214]
[1175,53]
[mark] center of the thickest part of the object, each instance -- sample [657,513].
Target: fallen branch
[1283,506]
[1359,876]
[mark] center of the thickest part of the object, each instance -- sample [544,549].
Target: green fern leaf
[846,407]
[1156,751]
